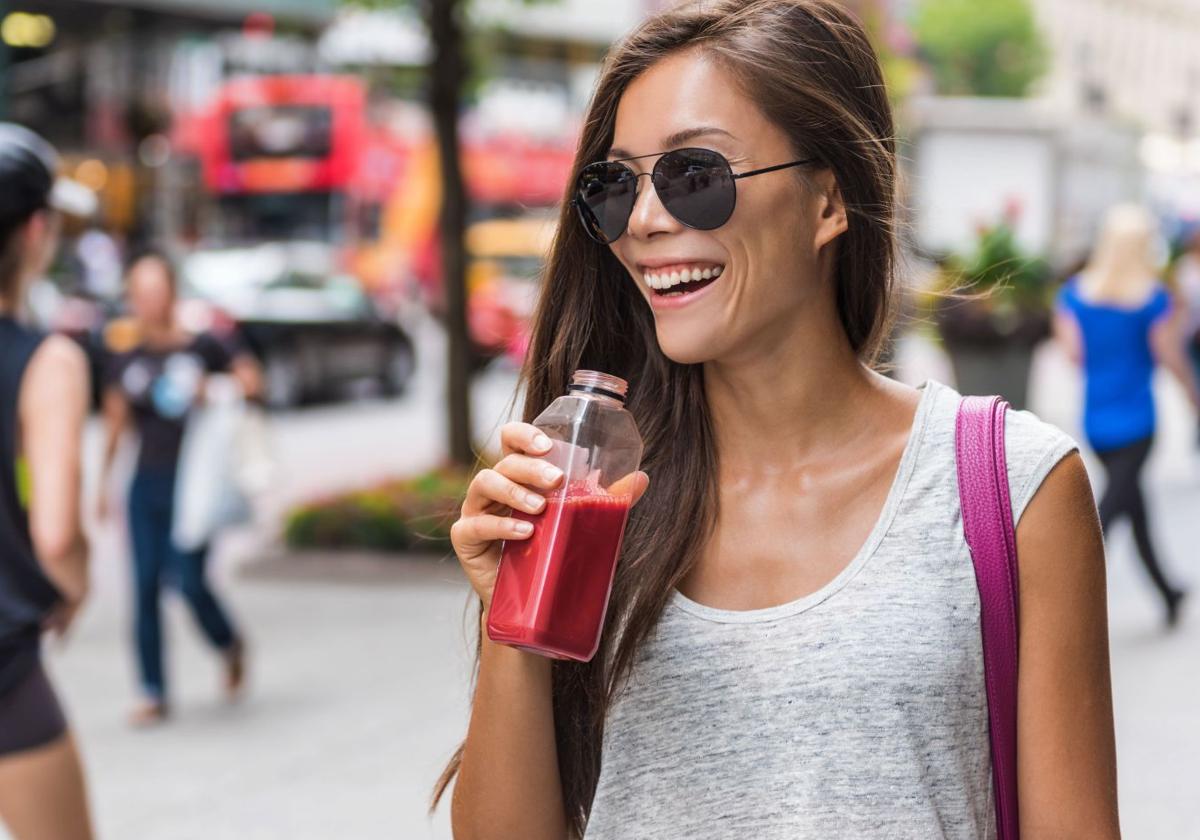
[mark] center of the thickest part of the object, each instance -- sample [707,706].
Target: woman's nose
[649,216]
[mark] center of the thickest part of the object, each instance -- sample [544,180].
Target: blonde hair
[1122,268]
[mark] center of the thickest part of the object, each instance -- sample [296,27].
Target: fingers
[533,472]
[473,535]
[634,485]
[523,438]
[490,487]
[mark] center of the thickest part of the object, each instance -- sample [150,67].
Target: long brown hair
[809,66]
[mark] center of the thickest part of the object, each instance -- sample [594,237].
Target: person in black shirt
[44,387]
[153,387]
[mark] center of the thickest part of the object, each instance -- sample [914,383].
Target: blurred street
[269,191]
[359,679]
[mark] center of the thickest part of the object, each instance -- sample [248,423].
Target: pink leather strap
[988,526]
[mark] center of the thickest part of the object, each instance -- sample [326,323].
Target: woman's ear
[34,231]
[831,210]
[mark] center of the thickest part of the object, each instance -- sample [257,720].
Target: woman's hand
[62,617]
[494,493]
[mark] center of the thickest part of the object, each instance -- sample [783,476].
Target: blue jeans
[156,561]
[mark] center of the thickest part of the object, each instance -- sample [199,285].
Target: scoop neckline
[875,536]
[1114,306]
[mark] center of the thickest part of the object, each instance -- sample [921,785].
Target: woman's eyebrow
[676,140]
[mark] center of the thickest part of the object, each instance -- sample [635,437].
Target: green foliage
[1000,269]
[997,294]
[980,47]
[409,514]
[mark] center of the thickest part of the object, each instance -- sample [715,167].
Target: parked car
[312,326]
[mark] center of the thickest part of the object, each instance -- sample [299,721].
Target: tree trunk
[446,78]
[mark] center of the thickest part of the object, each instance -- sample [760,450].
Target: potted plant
[991,308]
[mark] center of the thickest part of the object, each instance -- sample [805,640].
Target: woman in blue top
[1117,320]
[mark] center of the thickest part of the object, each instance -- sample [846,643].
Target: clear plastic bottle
[552,589]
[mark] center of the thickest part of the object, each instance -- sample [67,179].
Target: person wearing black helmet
[43,555]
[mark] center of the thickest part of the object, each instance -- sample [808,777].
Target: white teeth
[662,282]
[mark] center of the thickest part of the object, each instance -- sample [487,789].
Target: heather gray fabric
[858,711]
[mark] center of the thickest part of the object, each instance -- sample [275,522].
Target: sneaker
[1174,600]
[148,713]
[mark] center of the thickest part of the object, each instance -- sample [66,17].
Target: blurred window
[255,217]
[280,131]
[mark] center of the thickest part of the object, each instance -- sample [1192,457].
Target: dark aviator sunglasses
[696,186]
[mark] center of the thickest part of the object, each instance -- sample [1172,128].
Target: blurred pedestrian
[793,646]
[1118,321]
[153,387]
[1187,281]
[44,387]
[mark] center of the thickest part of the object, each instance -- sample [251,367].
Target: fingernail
[524,528]
[551,473]
[533,500]
[541,441]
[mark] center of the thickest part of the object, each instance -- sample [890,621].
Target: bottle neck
[599,398]
[596,392]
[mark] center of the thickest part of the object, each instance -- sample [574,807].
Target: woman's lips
[683,294]
[667,277]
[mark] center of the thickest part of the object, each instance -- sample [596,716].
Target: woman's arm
[1066,757]
[53,407]
[508,784]
[1066,335]
[248,373]
[116,419]
[1166,342]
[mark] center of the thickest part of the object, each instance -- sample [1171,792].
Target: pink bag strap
[988,526]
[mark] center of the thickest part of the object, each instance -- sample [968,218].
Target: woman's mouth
[673,281]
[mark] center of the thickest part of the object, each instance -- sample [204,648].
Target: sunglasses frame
[581,209]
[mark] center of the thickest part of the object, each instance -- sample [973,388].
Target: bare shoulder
[895,402]
[57,372]
[59,354]
[1058,536]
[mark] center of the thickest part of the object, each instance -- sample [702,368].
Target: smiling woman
[792,644]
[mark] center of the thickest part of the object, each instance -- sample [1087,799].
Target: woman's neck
[1126,285]
[782,401]
[160,335]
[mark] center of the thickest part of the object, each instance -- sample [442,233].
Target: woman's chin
[686,350]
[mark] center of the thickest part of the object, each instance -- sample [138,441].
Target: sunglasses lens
[605,195]
[696,186]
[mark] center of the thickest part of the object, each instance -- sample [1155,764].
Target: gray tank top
[856,711]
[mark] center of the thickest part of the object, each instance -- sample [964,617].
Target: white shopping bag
[209,492]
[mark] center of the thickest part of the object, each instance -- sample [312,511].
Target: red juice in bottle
[553,594]
[552,589]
